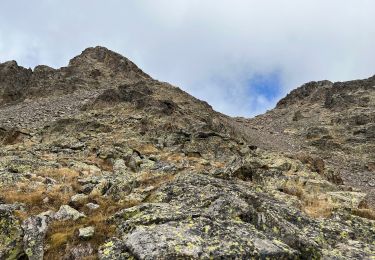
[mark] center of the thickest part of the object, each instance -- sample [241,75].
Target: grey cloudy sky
[240,56]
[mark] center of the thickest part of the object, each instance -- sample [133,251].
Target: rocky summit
[100,161]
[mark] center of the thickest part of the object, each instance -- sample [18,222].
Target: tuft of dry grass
[60,237]
[33,197]
[316,205]
[23,195]
[64,175]
[293,188]
[63,235]
[148,179]
[217,164]
[147,149]
[175,158]
[364,213]
[103,164]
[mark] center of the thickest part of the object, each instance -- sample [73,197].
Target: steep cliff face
[14,81]
[99,160]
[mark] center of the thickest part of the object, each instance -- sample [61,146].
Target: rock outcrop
[332,121]
[99,160]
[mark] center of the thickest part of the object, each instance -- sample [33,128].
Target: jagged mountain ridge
[335,121]
[99,160]
[86,71]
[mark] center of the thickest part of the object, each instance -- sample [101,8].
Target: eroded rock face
[14,82]
[198,216]
[11,245]
[117,165]
[35,229]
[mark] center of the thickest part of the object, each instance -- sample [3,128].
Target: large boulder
[198,216]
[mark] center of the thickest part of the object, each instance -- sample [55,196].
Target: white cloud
[210,48]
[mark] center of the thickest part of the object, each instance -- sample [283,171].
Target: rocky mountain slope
[100,161]
[333,121]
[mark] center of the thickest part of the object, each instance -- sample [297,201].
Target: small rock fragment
[66,212]
[78,199]
[86,233]
[92,206]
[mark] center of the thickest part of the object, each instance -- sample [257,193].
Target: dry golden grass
[218,164]
[175,158]
[293,188]
[92,257]
[103,164]
[60,195]
[364,213]
[48,156]
[315,205]
[148,179]
[33,198]
[21,194]
[60,237]
[147,149]
[64,175]
[63,235]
